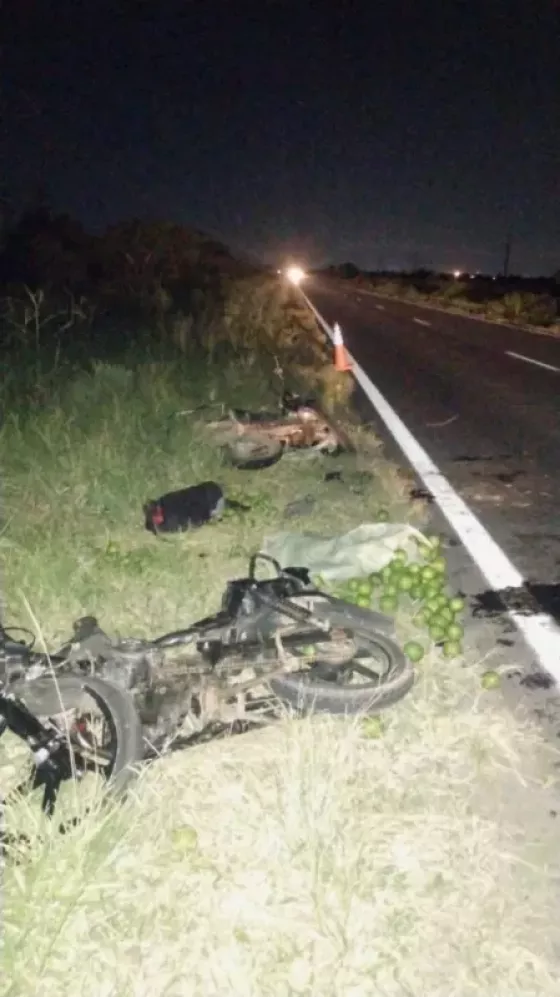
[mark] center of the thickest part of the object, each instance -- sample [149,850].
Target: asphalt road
[490,421]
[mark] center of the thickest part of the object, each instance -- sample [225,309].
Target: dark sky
[401,133]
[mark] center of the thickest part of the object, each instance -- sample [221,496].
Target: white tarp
[355,554]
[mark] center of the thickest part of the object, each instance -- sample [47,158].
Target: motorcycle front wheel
[99,719]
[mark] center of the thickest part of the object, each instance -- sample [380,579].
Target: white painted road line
[538,363]
[539,631]
[420,321]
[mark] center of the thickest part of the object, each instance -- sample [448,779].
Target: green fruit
[405,582]
[457,604]
[400,555]
[414,651]
[363,601]
[309,651]
[439,564]
[184,838]
[433,591]
[388,604]
[372,727]
[425,615]
[364,588]
[386,572]
[428,573]
[375,580]
[446,616]
[416,592]
[434,540]
[455,632]
[414,568]
[490,680]
[391,589]
[452,649]
[425,551]
[433,606]
[382,516]
[353,584]
[437,632]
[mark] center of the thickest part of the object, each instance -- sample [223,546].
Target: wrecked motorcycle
[256,440]
[275,642]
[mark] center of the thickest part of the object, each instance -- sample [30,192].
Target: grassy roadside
[76,480]
[321,857]
[476,299]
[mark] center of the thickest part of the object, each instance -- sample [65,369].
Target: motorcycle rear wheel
[323,687]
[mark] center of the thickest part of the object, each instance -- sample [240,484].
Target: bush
[522,307]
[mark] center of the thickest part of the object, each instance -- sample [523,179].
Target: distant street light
[456,274]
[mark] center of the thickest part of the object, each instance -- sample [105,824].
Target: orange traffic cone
[341,360]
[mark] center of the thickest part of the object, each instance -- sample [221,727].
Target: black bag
[187,508]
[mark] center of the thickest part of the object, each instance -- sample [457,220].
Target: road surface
[483,400]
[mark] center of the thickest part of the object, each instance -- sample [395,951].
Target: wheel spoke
[368,673]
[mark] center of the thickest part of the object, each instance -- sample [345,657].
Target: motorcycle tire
[49,697]
[308,691]
[249,454]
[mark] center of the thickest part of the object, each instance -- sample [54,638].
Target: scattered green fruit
[388,604]
[439,565]
[309,651]
[457,604]
[184,838]
[490,680]
[426,552]
[414,651]
[372,728]
[400,555]
[447,617]
[423,586]
[452,649]
[425,615]
[455,632]
[405,582]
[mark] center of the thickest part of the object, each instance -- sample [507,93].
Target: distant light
[295,275]
[456,274]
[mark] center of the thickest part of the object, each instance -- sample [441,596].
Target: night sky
[398,134]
